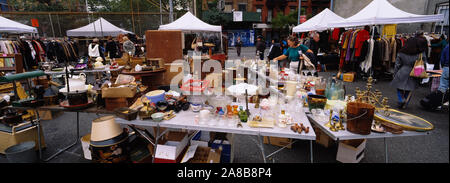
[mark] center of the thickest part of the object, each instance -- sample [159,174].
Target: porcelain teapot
[77,83]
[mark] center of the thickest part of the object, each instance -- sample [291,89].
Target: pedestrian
[238,46]
[293,53]
[404,63]
[260,47]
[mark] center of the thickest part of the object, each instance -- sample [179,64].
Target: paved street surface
[433,148]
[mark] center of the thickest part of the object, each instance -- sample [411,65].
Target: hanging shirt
[93,50]
[362,36]
[367,64]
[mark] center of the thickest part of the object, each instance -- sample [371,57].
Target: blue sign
[247,37]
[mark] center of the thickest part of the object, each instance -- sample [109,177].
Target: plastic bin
[22,153]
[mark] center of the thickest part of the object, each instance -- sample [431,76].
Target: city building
[4,5]
[258,15]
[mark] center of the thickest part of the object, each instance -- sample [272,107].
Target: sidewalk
[247,52]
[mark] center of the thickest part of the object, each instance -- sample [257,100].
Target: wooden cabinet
[11,63]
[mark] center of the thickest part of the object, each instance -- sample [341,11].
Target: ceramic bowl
[157,117]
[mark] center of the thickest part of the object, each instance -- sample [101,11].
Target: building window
[442,27]
[269,15]
[242,7]
[292,9]
[228,7]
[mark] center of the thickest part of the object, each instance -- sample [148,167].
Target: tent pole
[95,30]
[160,11]
[101,27]
[51,23]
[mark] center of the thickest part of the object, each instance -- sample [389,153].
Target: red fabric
[362,36]
[335,35]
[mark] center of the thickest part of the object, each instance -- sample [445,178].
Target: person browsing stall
[404,63]
[293,53]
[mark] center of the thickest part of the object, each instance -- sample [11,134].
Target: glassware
[242,114]
[282,119]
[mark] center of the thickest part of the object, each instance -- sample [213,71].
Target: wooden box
[112,104]
[351,151]
[277,141]
[158,62]
[137,60]
[19,134]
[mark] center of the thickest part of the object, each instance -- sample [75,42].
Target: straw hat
[99,59]
[105,128]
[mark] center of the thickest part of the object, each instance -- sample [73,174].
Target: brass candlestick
[339,125]
[329,120]
[373,98]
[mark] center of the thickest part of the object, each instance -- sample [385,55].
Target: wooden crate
[113,103]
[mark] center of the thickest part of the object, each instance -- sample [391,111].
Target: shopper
[274,50]
[443,84]
[439,45]
[95,50]
[238,46]
[314,44]
[404,63]
[111,48]
[293,53]
[260,47]
[197,45]
[128,46]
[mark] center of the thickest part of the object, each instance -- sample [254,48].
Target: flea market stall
[151,112]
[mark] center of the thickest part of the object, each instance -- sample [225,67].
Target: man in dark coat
[260,47]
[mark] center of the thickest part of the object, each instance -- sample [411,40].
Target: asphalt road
[433,148]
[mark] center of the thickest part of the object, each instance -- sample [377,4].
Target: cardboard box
[170,151]
[277,141]
[23,132]
[351,151]
[349,77]
[199,154]
[118,92]
[322,138]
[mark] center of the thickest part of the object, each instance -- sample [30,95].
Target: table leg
[385,151]
[39,133]
[71,145]
[156,143]
[311,150]
[261,146]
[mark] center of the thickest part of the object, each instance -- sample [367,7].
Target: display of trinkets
[299,128]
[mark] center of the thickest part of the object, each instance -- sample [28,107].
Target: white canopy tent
[319,22]
[10,26]
[189,23]
[380,12]
[99,28]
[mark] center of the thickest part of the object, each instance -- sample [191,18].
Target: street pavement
[433,148]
